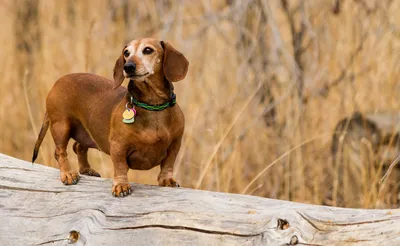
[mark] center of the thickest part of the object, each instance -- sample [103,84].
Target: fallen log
[37,209]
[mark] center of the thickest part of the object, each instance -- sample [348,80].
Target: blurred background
[268,82]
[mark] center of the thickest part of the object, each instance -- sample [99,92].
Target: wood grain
[37,209]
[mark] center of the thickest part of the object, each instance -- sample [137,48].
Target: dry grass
[244,65]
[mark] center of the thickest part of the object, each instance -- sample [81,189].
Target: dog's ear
[118,70]
[175,64]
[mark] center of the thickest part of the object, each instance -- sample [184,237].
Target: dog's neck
[152,91]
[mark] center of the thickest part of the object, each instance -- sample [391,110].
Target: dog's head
[142,58]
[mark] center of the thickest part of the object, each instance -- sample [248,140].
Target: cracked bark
[186,228]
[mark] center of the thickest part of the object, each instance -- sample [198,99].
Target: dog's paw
[89,172]
[168,182]
[121,189]
[69,178]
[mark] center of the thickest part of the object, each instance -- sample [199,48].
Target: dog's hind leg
[60,131]
[84,166]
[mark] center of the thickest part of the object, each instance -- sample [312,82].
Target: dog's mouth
[133,76]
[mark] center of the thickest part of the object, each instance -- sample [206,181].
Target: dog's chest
[150,150]
[153,137]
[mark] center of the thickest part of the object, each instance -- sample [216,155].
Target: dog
[140,127]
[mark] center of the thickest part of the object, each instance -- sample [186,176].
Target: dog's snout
[130,67]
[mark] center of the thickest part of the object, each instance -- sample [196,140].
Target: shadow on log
[36,209]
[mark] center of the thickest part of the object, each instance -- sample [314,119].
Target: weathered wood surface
[36,209]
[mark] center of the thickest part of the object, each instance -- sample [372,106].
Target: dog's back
[86,102]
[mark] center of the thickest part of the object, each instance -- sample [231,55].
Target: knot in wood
[282,224]
[73,237]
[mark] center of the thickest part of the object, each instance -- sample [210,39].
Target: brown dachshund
[140,127]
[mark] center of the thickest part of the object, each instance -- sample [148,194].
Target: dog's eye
[126,53]
[147,51]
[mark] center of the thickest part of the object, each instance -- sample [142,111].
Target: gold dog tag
[128,116]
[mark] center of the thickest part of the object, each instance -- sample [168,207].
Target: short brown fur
[89,108]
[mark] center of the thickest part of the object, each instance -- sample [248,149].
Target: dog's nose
[130,67]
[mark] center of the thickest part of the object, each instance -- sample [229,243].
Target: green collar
[146,106]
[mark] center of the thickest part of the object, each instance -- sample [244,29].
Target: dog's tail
[43,130]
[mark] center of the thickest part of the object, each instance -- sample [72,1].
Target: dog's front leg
[121,186]
[165,178]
